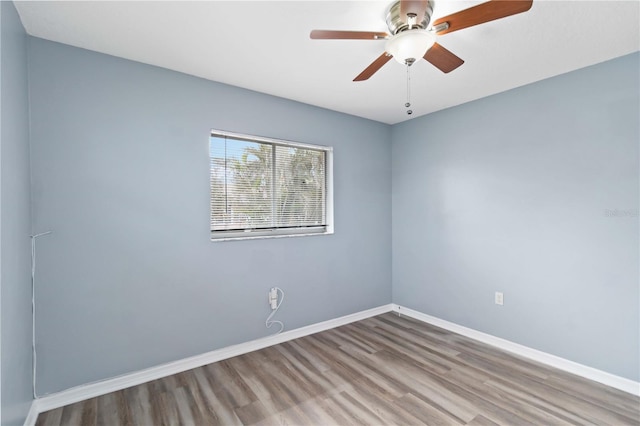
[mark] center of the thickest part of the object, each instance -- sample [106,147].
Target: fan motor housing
[397,23]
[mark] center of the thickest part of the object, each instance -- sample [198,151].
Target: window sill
[262,237]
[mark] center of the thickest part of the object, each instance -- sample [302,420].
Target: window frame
[282,232]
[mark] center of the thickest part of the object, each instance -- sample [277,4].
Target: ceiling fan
[412,36]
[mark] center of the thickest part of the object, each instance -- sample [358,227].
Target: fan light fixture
[411,45]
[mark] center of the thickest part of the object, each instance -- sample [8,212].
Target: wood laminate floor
[386,370]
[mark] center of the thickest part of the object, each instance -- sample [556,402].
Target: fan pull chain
[408,104]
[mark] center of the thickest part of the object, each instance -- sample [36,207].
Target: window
[265,187]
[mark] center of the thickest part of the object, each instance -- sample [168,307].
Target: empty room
[389,212]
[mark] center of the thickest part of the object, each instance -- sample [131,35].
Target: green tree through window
[259,185]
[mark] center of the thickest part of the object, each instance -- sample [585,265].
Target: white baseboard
[32,416]
[590,373]
[91,390]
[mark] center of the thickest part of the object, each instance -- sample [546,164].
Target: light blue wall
[533,192]
[509,193]
[15,221]
[129,278]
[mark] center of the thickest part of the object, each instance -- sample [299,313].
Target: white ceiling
[265,46]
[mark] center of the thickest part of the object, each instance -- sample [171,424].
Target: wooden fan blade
[416,7]
[442,59]
[485,12]
[374,67]
[347,35]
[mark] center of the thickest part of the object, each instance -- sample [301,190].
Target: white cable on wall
[33,307]
[269,322]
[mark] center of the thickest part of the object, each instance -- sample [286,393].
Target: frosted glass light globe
[410,45]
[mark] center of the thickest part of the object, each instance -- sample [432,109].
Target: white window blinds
[261,186]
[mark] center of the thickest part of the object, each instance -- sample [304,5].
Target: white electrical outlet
[273,298]
[499,298]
